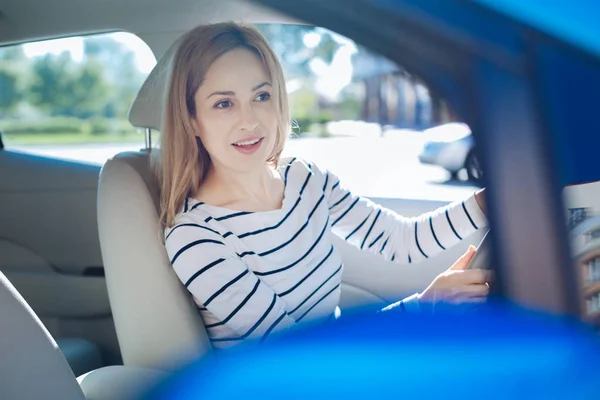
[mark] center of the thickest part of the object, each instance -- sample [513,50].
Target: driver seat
[157,323]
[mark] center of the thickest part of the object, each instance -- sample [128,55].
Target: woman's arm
[378,230]
[219,281]
[480,198]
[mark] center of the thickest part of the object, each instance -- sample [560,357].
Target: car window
[371,122]
[354,112]
[68,98]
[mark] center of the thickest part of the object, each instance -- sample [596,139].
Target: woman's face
[236,114]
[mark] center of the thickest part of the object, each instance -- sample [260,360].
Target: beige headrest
[147,108]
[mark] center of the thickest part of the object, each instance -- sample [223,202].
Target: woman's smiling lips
[249,145]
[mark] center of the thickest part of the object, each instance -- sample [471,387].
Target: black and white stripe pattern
[403,240]
[253,274]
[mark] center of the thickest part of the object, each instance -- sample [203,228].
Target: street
[373,166]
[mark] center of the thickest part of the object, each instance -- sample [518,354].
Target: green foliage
[62,87]
[118,62]
[103,84]
[97,126]
[326,49]
[100,126]
[10,95]
[349,107]
[304,103]
[92,96]
[43,126]
[91,91]
[13,64]
[125,128]
[288,43]
[103,126]
[52,84]
[305,124]
[12,53]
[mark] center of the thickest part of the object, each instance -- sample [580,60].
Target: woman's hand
[457,285]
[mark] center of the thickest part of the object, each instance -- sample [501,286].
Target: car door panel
[49,247]
[48,207]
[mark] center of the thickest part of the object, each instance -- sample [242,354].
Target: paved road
[372,166]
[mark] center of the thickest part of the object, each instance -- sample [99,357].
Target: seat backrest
[31,364]
[157,324]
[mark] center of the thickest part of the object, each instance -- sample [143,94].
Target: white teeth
[247,142]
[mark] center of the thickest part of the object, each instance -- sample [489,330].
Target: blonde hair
[182,163]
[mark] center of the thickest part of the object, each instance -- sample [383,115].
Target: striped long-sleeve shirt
[254,273]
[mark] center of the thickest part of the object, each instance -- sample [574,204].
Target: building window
[593,304]
[592,271]
[576,216]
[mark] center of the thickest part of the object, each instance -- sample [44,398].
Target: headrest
[147,108]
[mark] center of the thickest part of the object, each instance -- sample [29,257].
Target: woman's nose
[248,120]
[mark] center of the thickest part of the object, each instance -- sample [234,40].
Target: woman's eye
[223,104]
[263,96]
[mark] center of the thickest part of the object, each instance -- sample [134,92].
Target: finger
[463,262]
[468,300]
[475,276]
[479,290]
[471,300]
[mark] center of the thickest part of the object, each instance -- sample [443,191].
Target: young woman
[249,234]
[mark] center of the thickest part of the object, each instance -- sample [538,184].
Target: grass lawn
[70,138]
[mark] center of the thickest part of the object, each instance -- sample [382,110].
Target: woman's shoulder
[190,221]
[299,167]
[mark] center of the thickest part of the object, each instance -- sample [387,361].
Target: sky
[331,79]
[334,77]
[144,57]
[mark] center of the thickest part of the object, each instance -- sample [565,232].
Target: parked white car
[451,146]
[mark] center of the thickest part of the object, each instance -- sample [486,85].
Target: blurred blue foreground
[501,353]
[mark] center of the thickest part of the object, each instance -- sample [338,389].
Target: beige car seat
[157,324]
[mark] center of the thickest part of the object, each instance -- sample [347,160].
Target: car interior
[87,290]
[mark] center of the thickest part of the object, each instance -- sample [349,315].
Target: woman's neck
[259,190]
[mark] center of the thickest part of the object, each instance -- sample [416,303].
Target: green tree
[305,103]
[288,43]
[13,69]
[12,53]
[349,107]
[61,86]
[10,94]
[91,90]
[120,69]
[52,83]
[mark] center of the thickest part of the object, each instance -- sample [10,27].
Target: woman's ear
[195,126]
